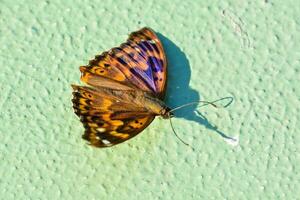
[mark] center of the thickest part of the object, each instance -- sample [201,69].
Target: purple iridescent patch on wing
[143,60]
[154,64]
[145,76]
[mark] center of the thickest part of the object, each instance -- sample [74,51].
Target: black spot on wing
[148,46]
[155,48]
[120,60]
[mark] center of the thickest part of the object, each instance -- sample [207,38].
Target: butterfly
[125,90]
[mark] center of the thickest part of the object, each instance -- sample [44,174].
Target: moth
[125,90]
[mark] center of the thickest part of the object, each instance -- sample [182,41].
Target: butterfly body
[125,91]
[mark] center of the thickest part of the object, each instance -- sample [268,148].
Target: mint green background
[246,49]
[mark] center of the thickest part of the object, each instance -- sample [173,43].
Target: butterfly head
[166,113]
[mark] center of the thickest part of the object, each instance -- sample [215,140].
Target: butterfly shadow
[178,90]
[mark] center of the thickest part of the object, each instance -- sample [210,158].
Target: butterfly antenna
[176,133]
[205,103]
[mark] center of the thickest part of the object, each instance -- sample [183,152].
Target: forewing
[108,120]
[138,63]
[147,44]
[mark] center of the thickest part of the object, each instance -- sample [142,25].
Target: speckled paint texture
[245,49]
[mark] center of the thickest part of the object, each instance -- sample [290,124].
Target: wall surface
[245,49]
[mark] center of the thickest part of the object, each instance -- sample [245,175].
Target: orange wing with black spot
[109,109]
[138,63]
[109,116]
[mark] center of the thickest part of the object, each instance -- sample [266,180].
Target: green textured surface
[246,49]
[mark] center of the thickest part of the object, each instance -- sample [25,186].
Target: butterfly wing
[109,110]
[148,46]
[138,63]
[109,116]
